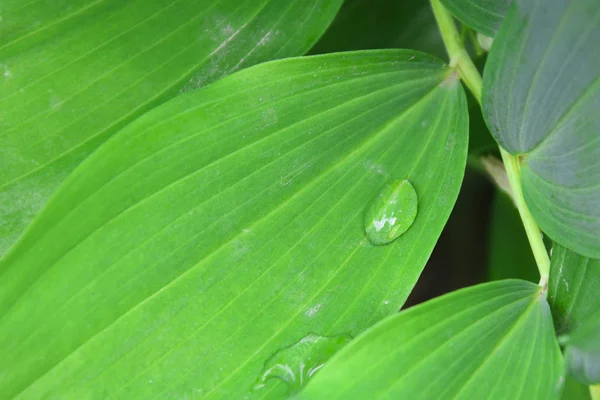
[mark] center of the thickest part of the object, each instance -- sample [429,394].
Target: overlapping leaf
[228,224]
[493,341]
[541,96]
[485,16]
[73,72]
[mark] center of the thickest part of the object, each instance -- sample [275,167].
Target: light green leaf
[573,288]
[227,225]
[484,16]
[541,95]
[73,72]
[492,341]
[382,24]
[582,353]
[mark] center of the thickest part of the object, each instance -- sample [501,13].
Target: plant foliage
[233,199]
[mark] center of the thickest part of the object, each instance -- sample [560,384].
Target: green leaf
[382,24]
[573,288]
[573,295]
[541,94]
[582,354]
[492,341]
[73,72]
[228,224]
[484,16]
[509,253]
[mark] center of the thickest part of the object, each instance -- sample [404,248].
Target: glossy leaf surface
[74,72]
[541,95]
[227,225]
[484,16]
[492,341]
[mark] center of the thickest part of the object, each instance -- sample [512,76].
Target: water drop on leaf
[296,364]
[391,213]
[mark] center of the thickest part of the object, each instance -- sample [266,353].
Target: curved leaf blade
[484,16]
[74,72]
[228,224]
[541,94]
[494,341]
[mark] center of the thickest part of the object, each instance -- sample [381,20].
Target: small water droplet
[296,364]
[391,213]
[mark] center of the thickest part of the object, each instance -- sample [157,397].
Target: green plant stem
[459,59]
[513,170]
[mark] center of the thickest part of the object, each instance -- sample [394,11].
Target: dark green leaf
[509,253]
[573,294]
[72,72]
[492,341]
[484,16]
[480,140]
[541,95]
[582,354]
[228,224]
[573,288]
[382,24]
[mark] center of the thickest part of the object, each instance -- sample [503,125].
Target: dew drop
[391,213]
[296,364]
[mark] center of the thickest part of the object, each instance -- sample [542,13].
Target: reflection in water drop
[391,213]
[296,364]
